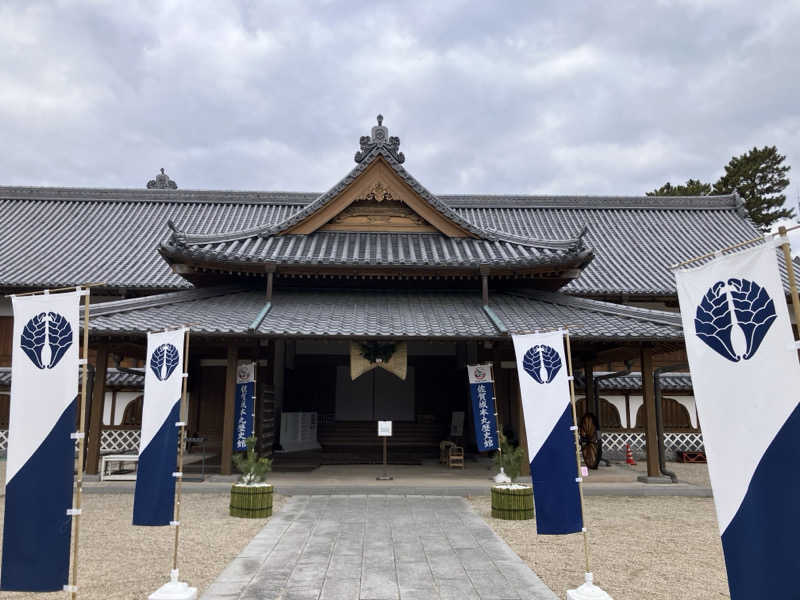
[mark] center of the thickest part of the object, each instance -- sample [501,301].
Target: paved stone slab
[377,547]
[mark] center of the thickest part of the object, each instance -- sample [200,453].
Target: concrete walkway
[377,547]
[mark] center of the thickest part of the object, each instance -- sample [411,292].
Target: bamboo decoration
[513,504]
[181,442]
[579,478]
[252,502]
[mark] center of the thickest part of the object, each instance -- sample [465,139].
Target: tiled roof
[389,314]
[376,249]
[670,382]
[114,378]
[51,237]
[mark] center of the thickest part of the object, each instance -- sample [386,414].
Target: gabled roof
[450,240]
[392,314]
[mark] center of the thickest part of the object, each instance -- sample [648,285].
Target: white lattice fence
[614,443]
[119,440]
[3,440]
[674,442]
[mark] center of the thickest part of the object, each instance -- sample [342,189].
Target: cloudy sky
[506,97]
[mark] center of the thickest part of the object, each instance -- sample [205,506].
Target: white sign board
[384,429]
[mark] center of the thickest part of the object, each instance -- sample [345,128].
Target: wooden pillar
[278,377]
[588,391]
[96,414]
[649,394]
[230,407]
[523,436]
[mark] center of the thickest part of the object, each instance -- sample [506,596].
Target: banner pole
[76,504]
[787,256]
[577,449]
[181,442]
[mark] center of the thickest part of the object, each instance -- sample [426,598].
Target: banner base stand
[656,479]
[588,591]
[174,590]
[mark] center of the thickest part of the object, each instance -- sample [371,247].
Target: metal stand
[385,476]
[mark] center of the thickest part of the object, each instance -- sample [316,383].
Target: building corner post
[226,453]
[649,397]
[95,432]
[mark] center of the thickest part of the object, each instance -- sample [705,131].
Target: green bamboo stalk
[251,502]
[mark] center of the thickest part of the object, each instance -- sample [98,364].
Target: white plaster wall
[125,398]
[618,402]
[636,402]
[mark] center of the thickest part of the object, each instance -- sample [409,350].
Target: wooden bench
[120,459]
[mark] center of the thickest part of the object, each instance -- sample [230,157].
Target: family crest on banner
[547,411]
[746,377]
[40,461]
[155,479]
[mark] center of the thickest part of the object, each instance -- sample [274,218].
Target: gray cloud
[545,97]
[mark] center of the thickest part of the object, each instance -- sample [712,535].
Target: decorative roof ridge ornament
[162,182]
[176,236]
[379,138]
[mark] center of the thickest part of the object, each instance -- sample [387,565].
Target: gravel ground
[689,472]
[660,548]
[118,560]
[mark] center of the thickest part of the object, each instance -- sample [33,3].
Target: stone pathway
[377,547]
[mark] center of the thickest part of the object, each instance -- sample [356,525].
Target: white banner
[746,380]
[163,380]
[547,410]
[44,386]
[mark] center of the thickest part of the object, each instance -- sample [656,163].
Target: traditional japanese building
[376,267]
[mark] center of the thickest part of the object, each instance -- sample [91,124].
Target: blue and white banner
[245,404]
[154,500]
[547,410]
[746,380]
[481,390]
[41,461]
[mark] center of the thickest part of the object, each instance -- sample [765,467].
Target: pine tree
[759,176]
[693,187]
[254,469]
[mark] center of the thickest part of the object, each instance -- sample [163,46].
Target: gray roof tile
[114,378]
[390,314]
[670,382]
[52,237]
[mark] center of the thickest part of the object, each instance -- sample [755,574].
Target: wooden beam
[270,276]
[620,353]
[96,414]
[229,408]
[648,391]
